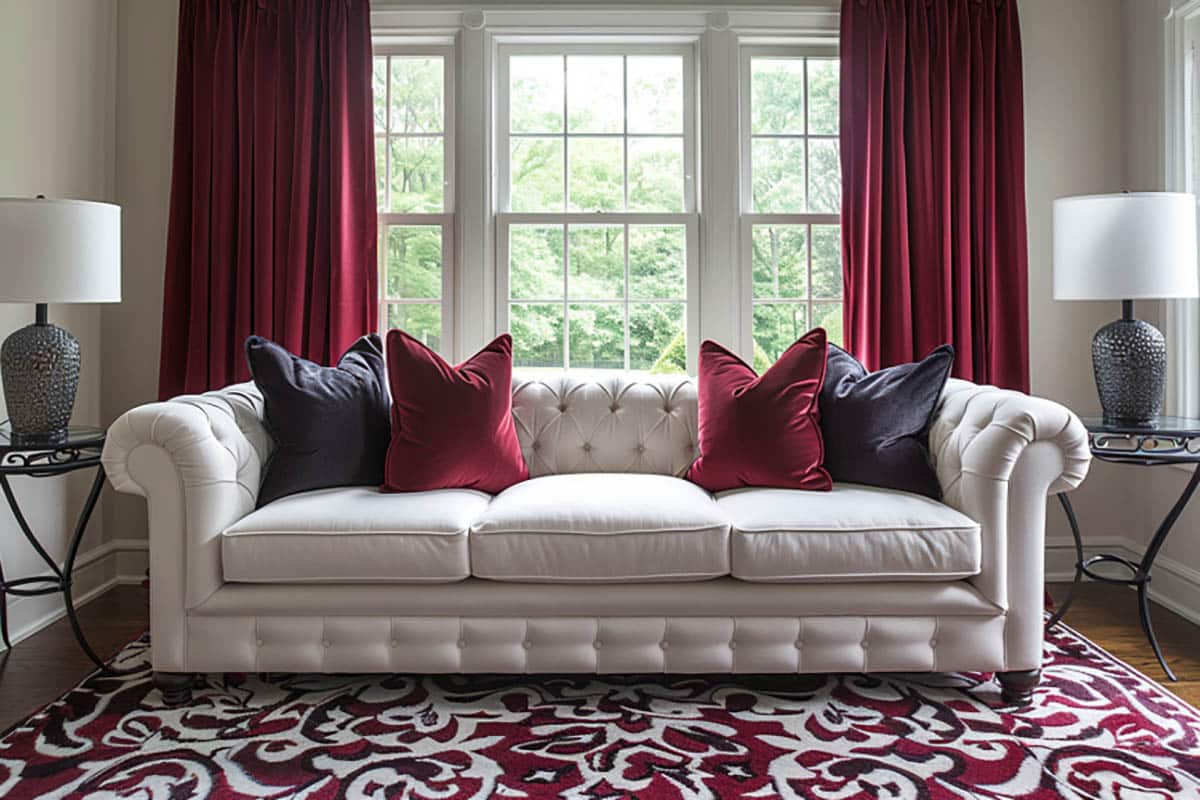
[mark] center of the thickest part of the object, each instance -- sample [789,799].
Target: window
[596,238]
[414,173]
[628,180]
[791,195]
[1182,124]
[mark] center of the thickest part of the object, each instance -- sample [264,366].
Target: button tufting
[537,445]
[733,645]
[259,642]
[527,645]
[614,408]
[798,644]
[562,408]
[596,644]
[324,643]
[395,643]
[663,645]
[641,448]
[933,642]
[587,447]
[866,645]
[461,644]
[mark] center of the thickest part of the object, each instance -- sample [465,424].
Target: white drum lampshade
[51,251]
[1135,246]
[1132,246]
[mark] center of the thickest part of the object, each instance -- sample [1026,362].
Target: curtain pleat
[933,208]
[273,220]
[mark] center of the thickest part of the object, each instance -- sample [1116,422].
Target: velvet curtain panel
[273,220]
[933,167]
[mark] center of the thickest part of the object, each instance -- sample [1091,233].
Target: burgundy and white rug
[1097,730]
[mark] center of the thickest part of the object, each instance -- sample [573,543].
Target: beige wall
[1074,144]
[1153,491]
[145,101]
[57,137]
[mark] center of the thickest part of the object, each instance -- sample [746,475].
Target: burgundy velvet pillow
[452,427]
[762,431]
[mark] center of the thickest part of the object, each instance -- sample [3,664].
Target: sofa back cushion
[570,422]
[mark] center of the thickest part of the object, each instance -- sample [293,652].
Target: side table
[1157,442]
[33,458]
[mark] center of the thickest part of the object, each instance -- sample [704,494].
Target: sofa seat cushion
[601,528]
[354,535]
[853,534]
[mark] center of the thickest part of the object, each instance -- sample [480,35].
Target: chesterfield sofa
[605,560]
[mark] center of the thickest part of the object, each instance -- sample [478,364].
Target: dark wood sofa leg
[1016,688]
[176,687]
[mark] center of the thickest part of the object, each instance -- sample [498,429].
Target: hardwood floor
[43,667]
[47,664]
[1108,615]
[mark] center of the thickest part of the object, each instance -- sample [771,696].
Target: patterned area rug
[1097,730]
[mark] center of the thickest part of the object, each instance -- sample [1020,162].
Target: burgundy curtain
[273,220]
[933,211]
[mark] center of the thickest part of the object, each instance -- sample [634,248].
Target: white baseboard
[1174,584]
[116,562]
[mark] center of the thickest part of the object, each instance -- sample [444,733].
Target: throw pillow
[452,427]
[761,430]
[330,424]
[876,424]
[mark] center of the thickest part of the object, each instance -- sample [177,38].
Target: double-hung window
[790,194]
[596,193]
[414,165]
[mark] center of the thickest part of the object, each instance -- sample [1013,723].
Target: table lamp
[51,251]
[1131,246]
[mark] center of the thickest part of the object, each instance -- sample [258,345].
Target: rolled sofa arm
[197,459]
[998,454]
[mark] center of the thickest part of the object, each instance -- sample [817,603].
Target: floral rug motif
[1098,729]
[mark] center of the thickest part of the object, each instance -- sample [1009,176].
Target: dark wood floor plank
[41,668]
[47,664]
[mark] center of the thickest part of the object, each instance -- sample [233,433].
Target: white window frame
[387,47]
[1182,46]
[719,296]
[688,217]
[749,217]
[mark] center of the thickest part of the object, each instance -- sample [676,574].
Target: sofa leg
[1016,688]
[176,687]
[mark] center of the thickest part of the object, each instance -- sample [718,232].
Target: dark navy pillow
[330,424]
[876,424]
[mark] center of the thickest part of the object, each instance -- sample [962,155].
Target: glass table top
[1160,426]
[76,436]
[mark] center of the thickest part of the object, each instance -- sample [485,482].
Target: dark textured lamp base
[39,367]
[1129,357]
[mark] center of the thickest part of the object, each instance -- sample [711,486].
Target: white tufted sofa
[604,561]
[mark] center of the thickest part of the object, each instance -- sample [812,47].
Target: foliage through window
[412,164]
[599,206]
[791,232]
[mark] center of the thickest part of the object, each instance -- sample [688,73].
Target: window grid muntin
[443,220]
[751,217]
[686,219]
[626,301]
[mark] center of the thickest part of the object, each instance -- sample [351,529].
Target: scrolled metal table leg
[1074,523]
[4,612]
[1147,563]
[85,515]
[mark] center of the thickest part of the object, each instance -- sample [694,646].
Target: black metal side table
[1160,441]
[33,458]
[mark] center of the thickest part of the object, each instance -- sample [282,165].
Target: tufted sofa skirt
[436,644]
[198,461]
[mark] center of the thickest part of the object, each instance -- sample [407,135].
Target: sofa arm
[998,454]
[197,460]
